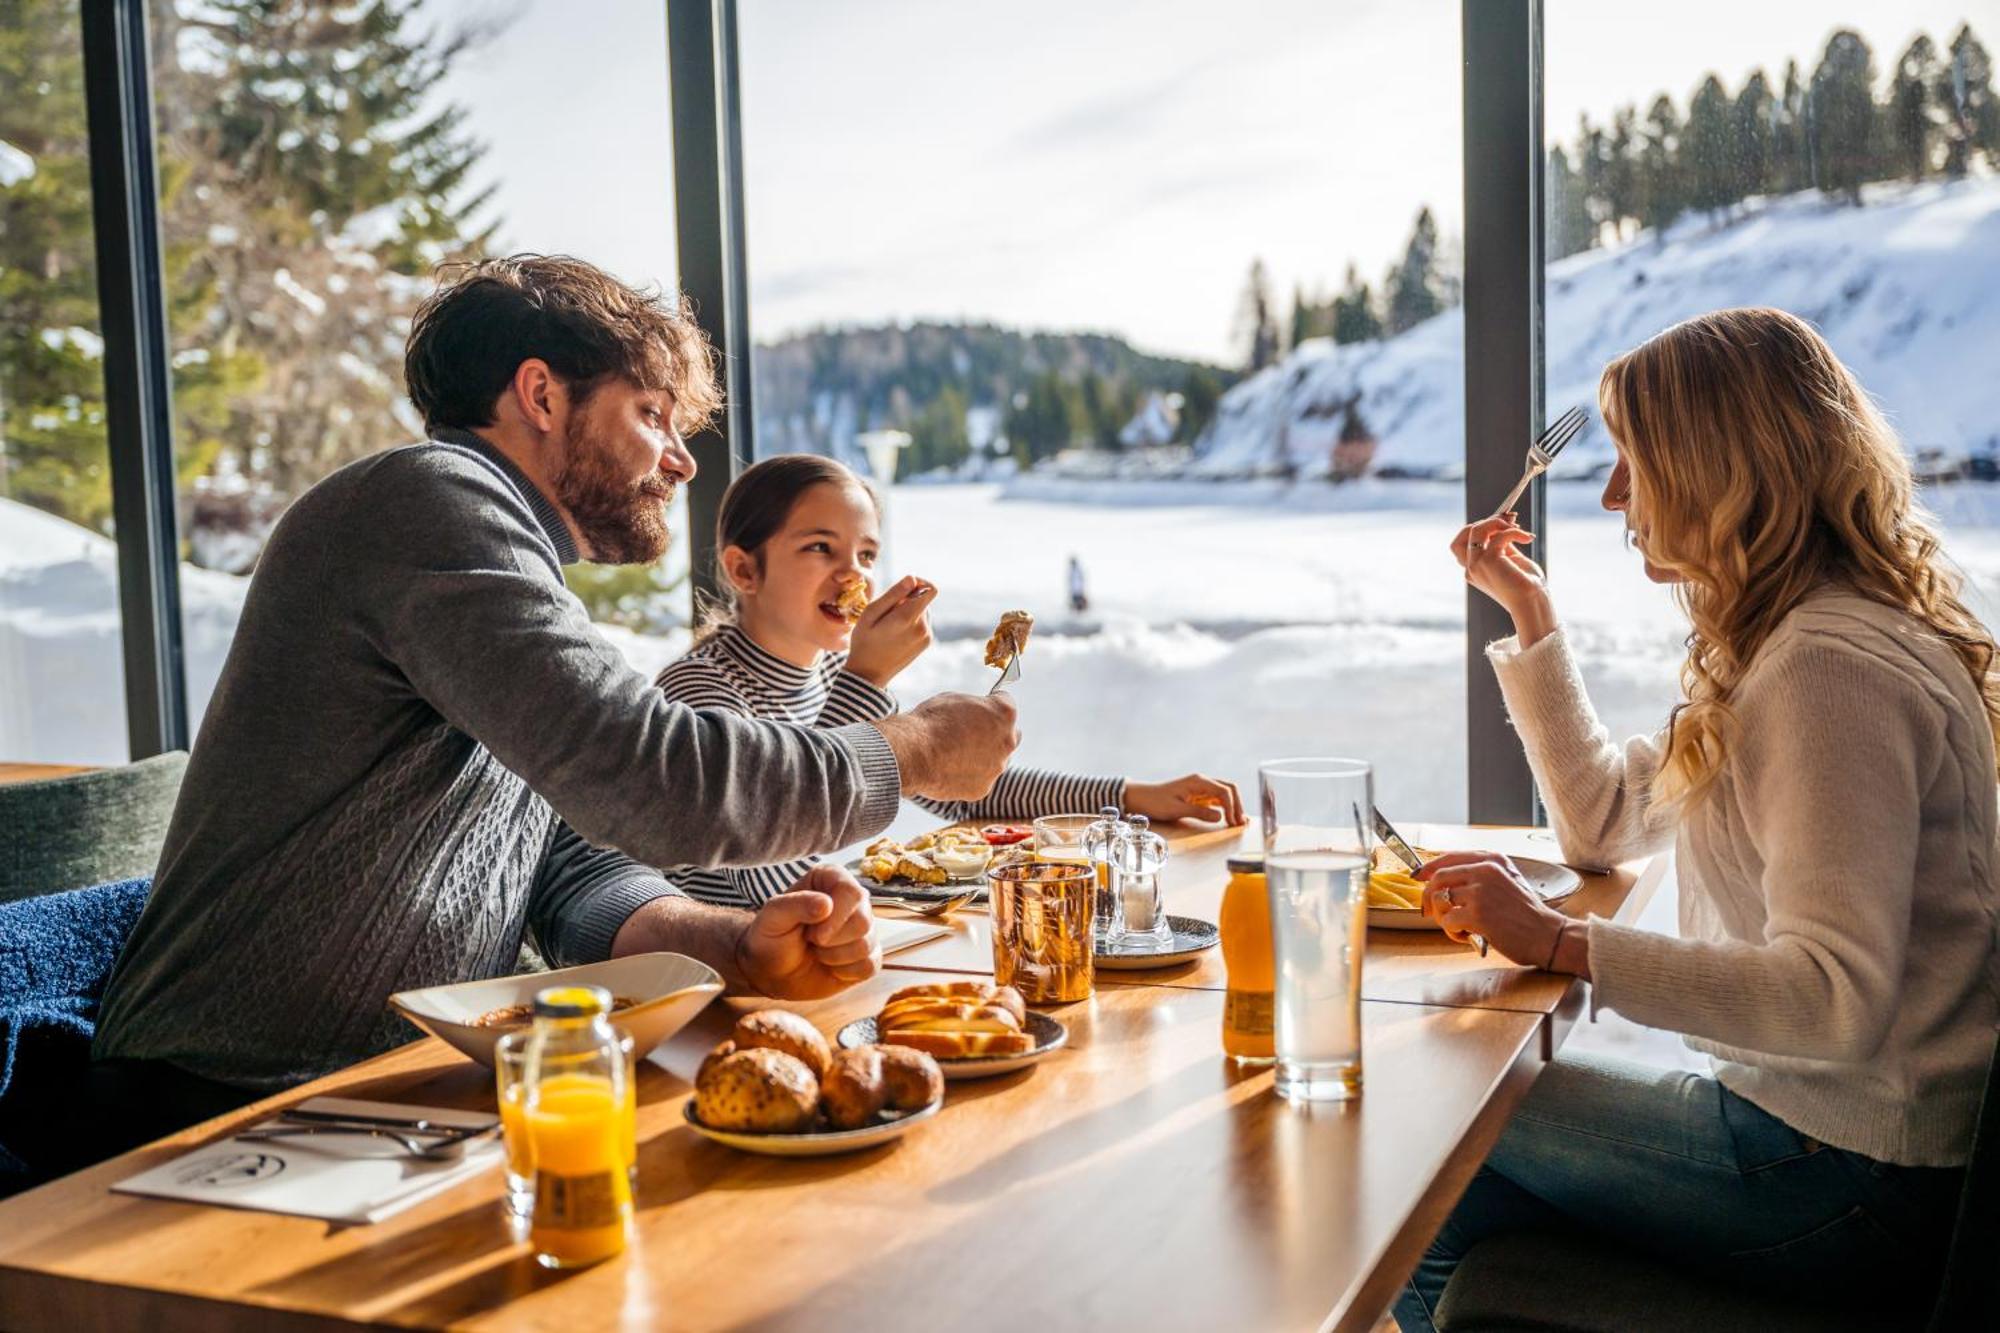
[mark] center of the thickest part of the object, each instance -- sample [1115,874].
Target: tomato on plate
[1005,835]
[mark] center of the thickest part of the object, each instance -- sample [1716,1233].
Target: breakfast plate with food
[1396,897]
[973,1029]
[936,861]
[776,1087]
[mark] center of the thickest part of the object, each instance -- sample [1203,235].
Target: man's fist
[951,747]
[813,941]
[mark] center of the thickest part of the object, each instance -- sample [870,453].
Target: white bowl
[671,989]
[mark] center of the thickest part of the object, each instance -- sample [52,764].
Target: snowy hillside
[1907,289]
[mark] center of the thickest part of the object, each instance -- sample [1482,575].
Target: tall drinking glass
[1316,846]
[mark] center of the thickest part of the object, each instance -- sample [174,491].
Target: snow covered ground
[1906,289]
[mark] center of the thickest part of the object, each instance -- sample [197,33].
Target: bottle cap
[572,1001]
[1250,863]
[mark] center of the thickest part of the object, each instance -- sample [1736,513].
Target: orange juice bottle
[1247,1008]
[579,1114]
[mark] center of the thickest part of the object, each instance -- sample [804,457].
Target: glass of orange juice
[568,1108]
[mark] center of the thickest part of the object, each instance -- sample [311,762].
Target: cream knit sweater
[1837,953]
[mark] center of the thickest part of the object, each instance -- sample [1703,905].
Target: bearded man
[421,751]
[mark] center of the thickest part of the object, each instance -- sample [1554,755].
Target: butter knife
[1407,855]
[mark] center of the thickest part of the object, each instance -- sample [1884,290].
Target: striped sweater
[729,671]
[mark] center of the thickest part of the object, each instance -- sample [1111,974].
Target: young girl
[1828,786]
[792,532]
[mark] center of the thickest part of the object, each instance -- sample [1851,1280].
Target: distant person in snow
[1079,602]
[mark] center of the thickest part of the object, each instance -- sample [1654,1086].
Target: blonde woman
[1828,785]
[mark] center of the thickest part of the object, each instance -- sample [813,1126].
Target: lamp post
[882,448]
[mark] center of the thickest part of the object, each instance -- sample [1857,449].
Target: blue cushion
[56,952]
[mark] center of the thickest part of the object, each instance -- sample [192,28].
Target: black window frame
[1502,163]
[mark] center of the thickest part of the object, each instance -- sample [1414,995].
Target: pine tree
[53,452]
[1201,390]
[313,142]
[1843,116]
[1912,122]
[1964,92]
[1354,317]
[1791,168]
[1708,149]
[1305,317]
[1256,324]
[1621,169]
[1663,193]
[1565,214]
[1591,152]
[1752,121]
[1413,293]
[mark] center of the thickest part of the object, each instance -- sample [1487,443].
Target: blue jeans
[1675,1164]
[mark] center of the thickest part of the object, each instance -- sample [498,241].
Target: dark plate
[903,888]
[1192,938]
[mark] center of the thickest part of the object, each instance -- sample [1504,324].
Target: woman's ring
[1447,899]
[1477,546]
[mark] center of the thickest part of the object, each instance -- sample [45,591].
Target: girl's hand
[1489,553]
[1191,797]
[892,633]
[1482,893]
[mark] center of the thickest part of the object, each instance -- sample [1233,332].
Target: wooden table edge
[1386,1277]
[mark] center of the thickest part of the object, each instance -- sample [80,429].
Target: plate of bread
[973,1029]
[1396,897]
[778,1088]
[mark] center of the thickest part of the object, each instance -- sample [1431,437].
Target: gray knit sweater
[1839,949]
[420,749]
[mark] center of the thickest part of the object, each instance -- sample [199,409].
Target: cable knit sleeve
[1833,753]
[1599,792]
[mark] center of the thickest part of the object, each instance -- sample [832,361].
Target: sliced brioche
[961,1045]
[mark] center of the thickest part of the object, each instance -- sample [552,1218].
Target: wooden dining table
[1134,1178]
[21,772]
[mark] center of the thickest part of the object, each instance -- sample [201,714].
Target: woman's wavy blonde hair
[1759,470]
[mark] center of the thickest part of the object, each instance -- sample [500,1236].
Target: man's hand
[892,633]
[813,941]
[951,747]
[1192,797]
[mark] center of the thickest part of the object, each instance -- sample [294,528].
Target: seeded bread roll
[853,1091]
[758,1092]
[783,1030]
[911,1078]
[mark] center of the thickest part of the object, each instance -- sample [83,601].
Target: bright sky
[1042,163]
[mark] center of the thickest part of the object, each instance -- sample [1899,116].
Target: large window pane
[318,164]
[1836,165]
[1146,290]
[62,691]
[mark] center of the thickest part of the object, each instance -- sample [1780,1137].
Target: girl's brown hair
[755,507]
[1761,469]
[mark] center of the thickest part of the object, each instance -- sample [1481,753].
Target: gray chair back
[89,828]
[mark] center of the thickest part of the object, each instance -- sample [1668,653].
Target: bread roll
[783,1030]
[853,1092]
[910,1077]
[757,1092]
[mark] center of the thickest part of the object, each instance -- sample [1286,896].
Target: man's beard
[622,522]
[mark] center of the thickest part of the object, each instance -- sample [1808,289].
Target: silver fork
[1008,674]
[1543,452]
